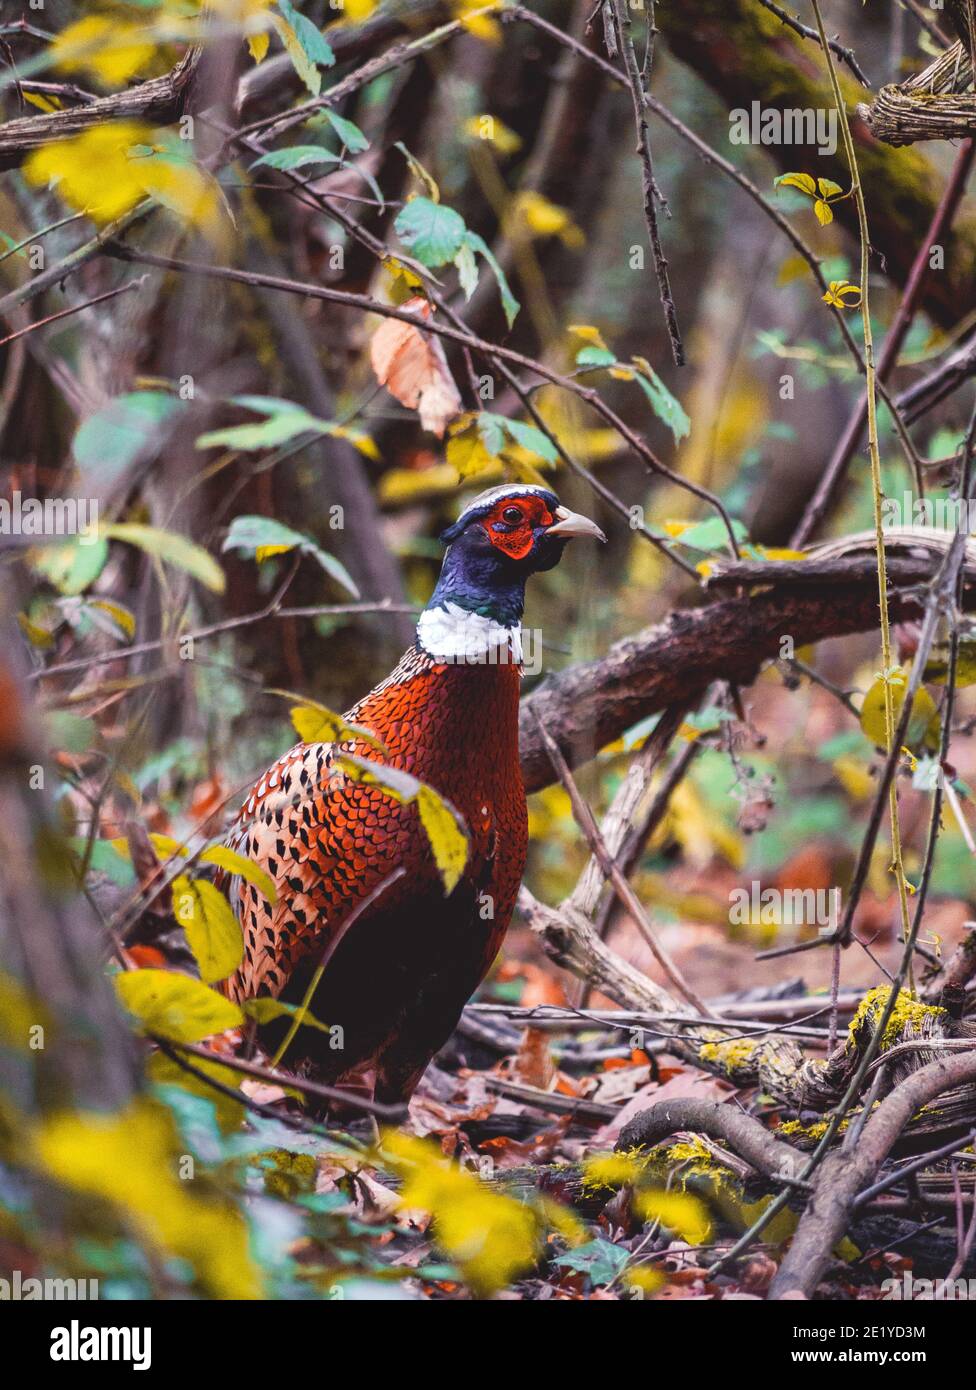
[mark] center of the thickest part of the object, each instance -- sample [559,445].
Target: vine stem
[874,453]
[908,934]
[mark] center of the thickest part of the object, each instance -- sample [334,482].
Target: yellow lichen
[909,1012]
[731,1054]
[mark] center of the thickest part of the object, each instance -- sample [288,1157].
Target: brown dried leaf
[413,368]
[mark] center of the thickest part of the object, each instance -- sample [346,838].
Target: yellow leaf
[644,1279]
[265,1010]
[165,846]
[923,724]
[448,841]
[303,65]
[106,170]
[130,1159]
[20,1013]
[93,170]
[679,1211]
[589,334]
[176,1006]
[937,667]
[119,614]
[315,723]
[258,45]
[267,552]
[107,48]
[828,189]
[544,219]
[781,553]
[792,268]
[405,281]
[36,635]
[42,102]
[359,441]
[481,25]
[213,933]
[854,777]
[804,182]
[491,1237]
[171,547]
[841,294]
[466,450]
[494,132]
[824,214]
[186,190]
[245,868]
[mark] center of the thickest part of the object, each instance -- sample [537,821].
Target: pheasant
[401,958]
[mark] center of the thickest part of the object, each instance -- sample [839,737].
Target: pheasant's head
[501,537]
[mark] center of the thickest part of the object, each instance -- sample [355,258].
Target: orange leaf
[413,368]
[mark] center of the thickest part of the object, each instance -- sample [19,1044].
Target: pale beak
[573,524]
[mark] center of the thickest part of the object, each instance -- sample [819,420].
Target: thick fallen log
[844,1173]
[833,594]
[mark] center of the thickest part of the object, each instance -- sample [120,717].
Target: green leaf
[106,858]
[262,536]
[163,1071]
[285,420]
[173,549]
[510,304]
[69,733]
[245,868]
[712,534]
[72,564]
[175,1006]
[212,931]
[591,356]
[348,132]
[432,232]
[467,269]
[665,406]
[295,157]
[305,45]
[491,428]
[532,439]
[600,1259]
[126,431]
[266,1010]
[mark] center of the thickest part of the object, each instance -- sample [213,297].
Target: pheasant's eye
[512,515]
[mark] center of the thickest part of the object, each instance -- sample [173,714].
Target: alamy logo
[785,907]
[911,1289]
[909,512]
[54,516]
[17,1289]
[767,125]
[78,1343]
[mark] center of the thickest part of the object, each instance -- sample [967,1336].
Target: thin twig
[584,819]
[846,55]
[638,95]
